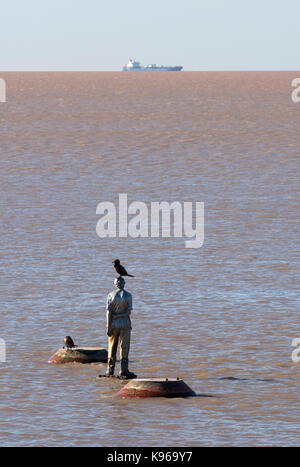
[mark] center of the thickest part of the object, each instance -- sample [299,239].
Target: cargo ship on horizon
[134,65]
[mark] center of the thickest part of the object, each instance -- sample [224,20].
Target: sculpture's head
[119,283]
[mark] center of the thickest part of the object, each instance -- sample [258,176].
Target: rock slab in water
[150,387]
[80,355]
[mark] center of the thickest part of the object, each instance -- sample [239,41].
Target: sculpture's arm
[127,312]
[108,317]
[129,300]
[121,315]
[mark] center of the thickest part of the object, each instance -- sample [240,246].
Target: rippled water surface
[222,317]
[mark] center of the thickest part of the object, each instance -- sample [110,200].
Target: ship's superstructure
[134,65]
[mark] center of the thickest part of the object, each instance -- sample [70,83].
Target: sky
[103,34]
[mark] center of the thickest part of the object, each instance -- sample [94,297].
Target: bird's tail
[129,275]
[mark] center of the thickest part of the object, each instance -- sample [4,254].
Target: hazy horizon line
[233,70]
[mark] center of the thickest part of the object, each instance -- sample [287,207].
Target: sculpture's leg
[112,352]
[125,373]
[110,367]
[124,352]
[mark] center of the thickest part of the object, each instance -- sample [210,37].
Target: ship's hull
[145,68]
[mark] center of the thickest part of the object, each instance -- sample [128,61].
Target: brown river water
[222,317]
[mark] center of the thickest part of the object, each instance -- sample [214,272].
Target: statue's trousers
[124,336]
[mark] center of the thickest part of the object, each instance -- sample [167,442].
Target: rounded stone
[156,387]
[79,355]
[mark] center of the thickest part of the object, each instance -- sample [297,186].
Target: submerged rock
[80,355]
[150,387]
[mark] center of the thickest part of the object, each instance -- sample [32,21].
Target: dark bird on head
[69,343]
[120,269]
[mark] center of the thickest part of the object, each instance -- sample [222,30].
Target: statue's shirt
[119,302]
